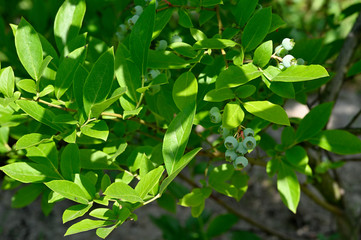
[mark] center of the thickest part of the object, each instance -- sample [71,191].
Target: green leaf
[354,69]
[165,60]
[314,121]
[262,54]
[39,113]
[288,187]
[185,90]
[221,224]
[99,81]
[47,90]
[68,21]
[235,76]
[27,85]
[210,3]
[86,225]
[196,197]
[205,16]
[337,141]
[98,108]
[141,37]
[233,115]
[104,232]
[184,19]
[44,65]
[297,158]
[70,161]
[128,76]
[45,154]
[103,213]
[183,49]
[283,89]
[256,29]
[214,43]
[75,212]
[7,80]
[96,129]
[68,190]
[245,91]
[176,138]
[197,34]
[28,48]
[26,172]
[301,73]
[243,11]
[30,140]
[65,119]
[124,192]
[267,111]
[288,136]
[26,195]
[277,22]
[92,159]
[67,69]
[219,95]
[161,20]
[149,181]
[79,79]
[182,163]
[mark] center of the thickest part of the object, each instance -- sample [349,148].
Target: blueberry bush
[106,103]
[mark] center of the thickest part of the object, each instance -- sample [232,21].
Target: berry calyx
[289,60]
[231,143]
[216,117]
[249,143]
[240,162]
[230,155]
[288,44]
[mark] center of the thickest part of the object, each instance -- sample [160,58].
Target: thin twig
[353,120]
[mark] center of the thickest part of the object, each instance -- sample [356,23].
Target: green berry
[240,162]
[248,132]
[214,110]
[230,155]
[281,51]
[231,143]
[289,61]
[176,38]
[249,143]
[154,73]
[161,46]
[138,10]
[288,44]
[281,66]
[300,61]
[216,117]
[241,149]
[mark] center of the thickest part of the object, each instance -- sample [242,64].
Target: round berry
[214,110]
[281,51]
[230,155]
[281,66]
[249,143]
[162,45]
[248,132]
[225,132]
[216,117]
[138,10]
[288,44]
[300,61]
[133,20]
[289,60]
[240,162]
[176,38]
[231,143]
[241,149]
[154,73]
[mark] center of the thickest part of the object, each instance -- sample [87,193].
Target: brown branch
[351,42]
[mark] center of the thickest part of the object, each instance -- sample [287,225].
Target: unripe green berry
[214,110]
[216,117]
[248,132]
[161,46]
[133,20]
[241,149]
[154,73]
[249,143]
[230,155]
[300,61]
[288,44]
[176,38]
[289,60]
[281,51]
[138,10]
[225,132]
[231,143]
[281,66]
[240,162]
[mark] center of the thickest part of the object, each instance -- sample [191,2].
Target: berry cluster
[237,149]
[287,59]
